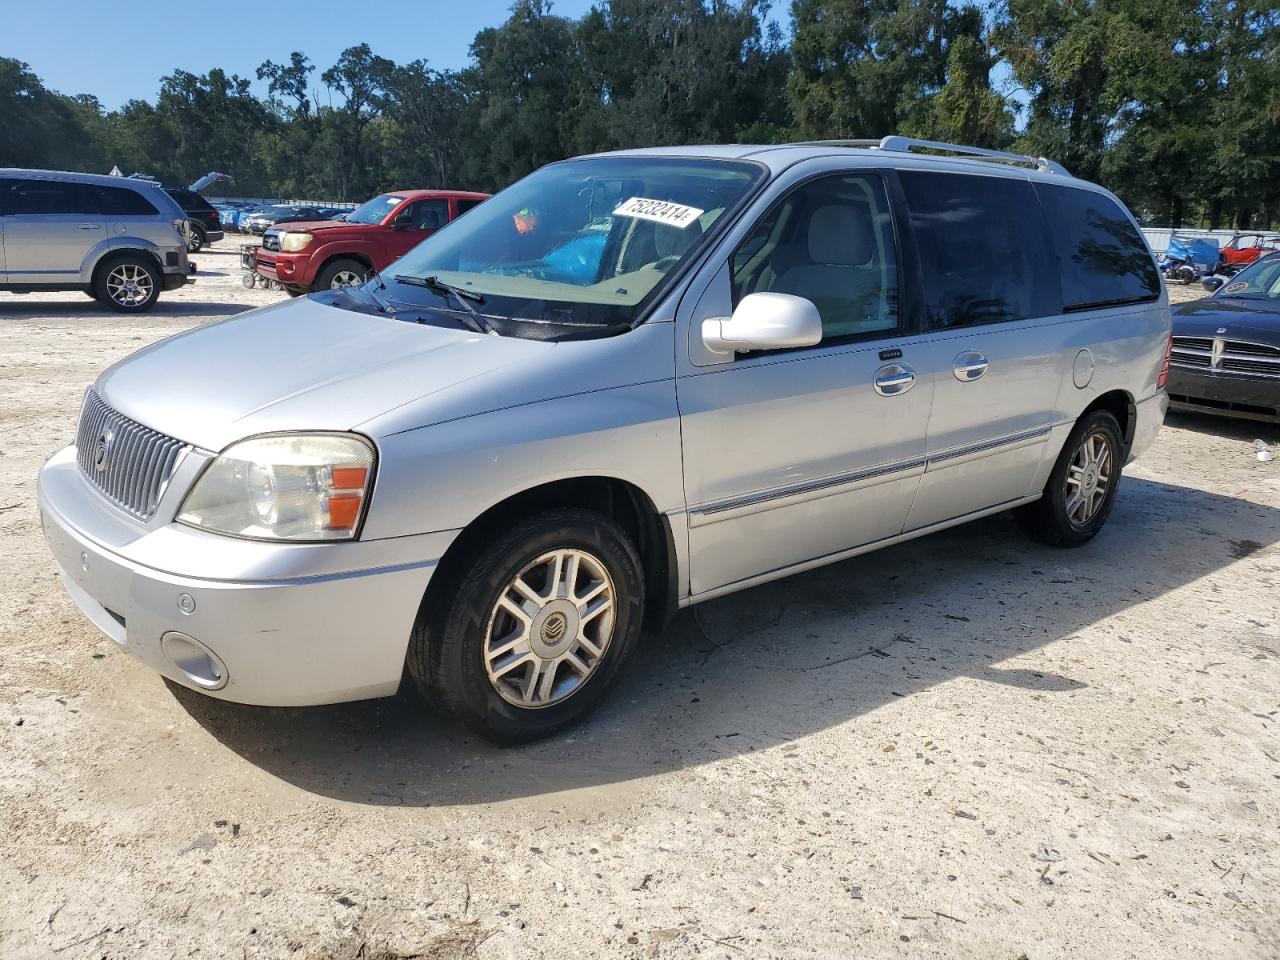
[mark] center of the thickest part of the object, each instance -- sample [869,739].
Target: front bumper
[288,624]
[1225,394]
[287,268]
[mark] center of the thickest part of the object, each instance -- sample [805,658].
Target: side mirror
[764,321]
[1212,283]
[402,222]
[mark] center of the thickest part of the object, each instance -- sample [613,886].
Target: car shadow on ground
[46,309]
[778,662]
[1232,428]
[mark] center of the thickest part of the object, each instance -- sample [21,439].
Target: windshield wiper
[377,285]
[475,319]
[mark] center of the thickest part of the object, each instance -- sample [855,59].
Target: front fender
[324,252]
[444,476]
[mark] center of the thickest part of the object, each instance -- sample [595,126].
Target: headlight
[294,487]
[293,242]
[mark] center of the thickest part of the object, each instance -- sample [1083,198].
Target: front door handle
[969,366]
[89,226]
[894,378]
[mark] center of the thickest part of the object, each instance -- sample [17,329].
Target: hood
[316,226]
[299,365]
[1242,319]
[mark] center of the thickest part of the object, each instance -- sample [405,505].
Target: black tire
[198,239]
[1050,519]
[325,279]
[294,291]
[447,649]
[134,265]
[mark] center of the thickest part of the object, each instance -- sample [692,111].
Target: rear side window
[190,201]
[48,197]
[117,202]
[1103,258]
[984,248]
[465,205]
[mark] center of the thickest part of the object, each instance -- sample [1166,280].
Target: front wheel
[1082,488]
[534,628]
[342,272]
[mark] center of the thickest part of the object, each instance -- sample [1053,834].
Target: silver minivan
[626,384]
[117,239]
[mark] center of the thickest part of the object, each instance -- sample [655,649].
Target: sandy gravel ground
[967,746]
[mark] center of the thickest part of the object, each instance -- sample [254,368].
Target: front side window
[47,197]
[426,214]
[584,242]
[983,246]
[830,241]
[1101,255]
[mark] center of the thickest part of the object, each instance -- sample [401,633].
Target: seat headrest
[841,234]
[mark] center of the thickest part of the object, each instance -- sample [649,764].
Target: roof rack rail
[907,144]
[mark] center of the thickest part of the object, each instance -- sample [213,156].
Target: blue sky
[120,50]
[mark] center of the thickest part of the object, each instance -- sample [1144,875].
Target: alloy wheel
[129,285]
[1088,478]
[550,628]
[346,278]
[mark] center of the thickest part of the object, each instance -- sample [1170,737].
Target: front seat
[841,276]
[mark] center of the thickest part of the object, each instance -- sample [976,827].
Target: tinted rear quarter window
[119,202]
[47,197]
[465,205]
[983,246]
[1102,256]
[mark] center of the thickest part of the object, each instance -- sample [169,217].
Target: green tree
[42,128]
[360,79]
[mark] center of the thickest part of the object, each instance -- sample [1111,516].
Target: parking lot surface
[965,746]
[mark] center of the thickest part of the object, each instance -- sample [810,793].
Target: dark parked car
[258,221]
[1226,347]
[206,222]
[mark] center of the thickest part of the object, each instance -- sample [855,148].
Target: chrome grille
[270,241]
[1239,356]
[1228,356]
[1191,351]
[131,464]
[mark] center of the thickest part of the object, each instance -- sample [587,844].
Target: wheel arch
[618,499]
[359,255]
[112,254]
[1121,405]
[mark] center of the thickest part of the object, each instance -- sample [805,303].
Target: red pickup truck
[323,254]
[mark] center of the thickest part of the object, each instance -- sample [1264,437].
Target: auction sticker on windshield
[659,211]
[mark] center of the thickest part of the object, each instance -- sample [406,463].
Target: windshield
[584,241]
[375,210]
[1258,282]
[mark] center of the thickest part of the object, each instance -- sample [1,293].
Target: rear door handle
[89,226]
[969,366]
[894,378]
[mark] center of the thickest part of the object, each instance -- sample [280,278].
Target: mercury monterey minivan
[626,384]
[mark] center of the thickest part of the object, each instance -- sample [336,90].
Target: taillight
[214,216]
[1164,364]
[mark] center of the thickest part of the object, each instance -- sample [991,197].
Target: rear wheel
[535,627]
[197,240]
[129,284]
[1082,488]
[342,272]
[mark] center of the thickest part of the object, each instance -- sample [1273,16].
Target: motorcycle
[1187,259]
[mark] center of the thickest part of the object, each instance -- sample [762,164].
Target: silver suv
[121,241]
[626,384]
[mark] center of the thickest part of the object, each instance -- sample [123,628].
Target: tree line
[1174,105]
